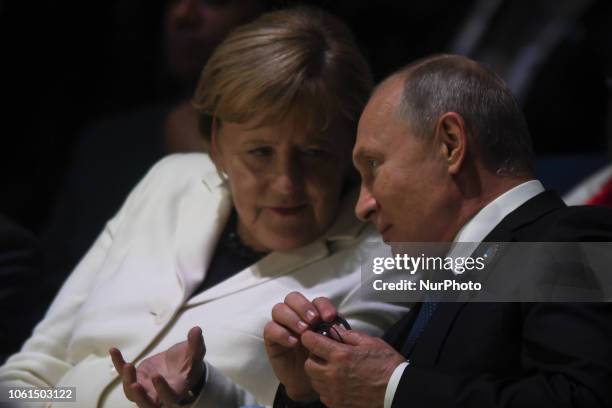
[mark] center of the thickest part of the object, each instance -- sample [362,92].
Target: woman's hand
[170,378]
[282,340]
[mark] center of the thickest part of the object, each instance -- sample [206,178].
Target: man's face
[404,188]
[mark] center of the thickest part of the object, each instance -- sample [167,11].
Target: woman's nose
[289,175]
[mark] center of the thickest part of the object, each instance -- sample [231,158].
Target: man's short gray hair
[494,121]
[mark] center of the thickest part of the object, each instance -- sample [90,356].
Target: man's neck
[491,187]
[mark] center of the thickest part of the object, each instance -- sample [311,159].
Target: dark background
[64,65]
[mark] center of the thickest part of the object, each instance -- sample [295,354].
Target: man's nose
[366,205]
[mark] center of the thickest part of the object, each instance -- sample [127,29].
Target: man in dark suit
[20,274]
[445,155]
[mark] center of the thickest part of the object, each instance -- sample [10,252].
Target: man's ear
[451,134]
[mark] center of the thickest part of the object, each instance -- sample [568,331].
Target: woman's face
[285,182]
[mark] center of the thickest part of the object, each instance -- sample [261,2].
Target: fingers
[140,397]
[316,369]
[117,359]
[129,373]
[195,343]
[325,308]
[132,390]
[277,334]
[349,337]
[302,307]
[166,394]
[128,377]
[297,313]
[284,315]
[320,346]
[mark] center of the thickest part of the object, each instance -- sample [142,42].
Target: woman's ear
[452,137]
[215,153]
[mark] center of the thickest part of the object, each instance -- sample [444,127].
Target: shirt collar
[493,213]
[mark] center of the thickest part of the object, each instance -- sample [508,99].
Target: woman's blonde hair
[301,62]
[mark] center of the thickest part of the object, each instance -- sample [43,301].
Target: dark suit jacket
[20,268]
[515,354]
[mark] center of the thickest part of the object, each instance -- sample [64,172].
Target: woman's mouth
[288,211]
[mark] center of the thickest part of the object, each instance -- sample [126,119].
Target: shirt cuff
[393,383]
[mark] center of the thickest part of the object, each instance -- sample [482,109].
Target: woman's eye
[261,151]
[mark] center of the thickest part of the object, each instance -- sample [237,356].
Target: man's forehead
[383,104]
[380,112]
[389,92]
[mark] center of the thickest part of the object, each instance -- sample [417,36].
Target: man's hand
[290,320]
[350,374]
[167,378]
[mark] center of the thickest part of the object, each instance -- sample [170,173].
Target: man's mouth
[384,229]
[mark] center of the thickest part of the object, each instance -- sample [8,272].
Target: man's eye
[372,163]
[261,151]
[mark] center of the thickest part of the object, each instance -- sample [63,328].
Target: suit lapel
[272,266]
[431,341]
[201,219]
[396,334]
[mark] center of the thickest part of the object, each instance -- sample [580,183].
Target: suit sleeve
[281,400]
[221,391]
[566,362]
[43,359]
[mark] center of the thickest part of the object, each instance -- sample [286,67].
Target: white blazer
[133,290]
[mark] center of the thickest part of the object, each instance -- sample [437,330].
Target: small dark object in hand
[327,328]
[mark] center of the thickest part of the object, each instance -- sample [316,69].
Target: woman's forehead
[286,130]
[294,126]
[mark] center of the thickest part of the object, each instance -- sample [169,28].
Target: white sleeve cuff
[393,383]
[220,391]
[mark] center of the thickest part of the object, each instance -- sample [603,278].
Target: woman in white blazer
[216,243]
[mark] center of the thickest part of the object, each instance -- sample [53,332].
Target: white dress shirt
[473,232]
